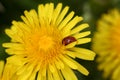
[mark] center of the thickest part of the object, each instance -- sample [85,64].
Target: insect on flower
[68,40]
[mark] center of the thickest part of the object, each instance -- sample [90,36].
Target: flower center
[45,43]
[115,37]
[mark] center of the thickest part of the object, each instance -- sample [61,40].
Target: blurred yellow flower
[1,68]
[106,43]
[43,46]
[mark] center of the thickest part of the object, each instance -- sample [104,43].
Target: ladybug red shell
[68,40]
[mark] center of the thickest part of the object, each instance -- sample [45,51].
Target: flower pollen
[44,46]
[45,43]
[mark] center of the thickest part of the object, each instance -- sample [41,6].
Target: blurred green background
[91,10]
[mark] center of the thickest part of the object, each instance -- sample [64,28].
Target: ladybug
[68,40]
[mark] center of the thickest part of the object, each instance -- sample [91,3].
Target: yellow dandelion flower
[43,46]
[106,43]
